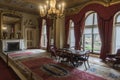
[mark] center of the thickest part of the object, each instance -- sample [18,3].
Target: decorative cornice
[12,12]
[77,9]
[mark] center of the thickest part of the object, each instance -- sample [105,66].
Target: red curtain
[82,24]
[67,22]
[77,35]
[105,30]
[76,31]
[40,30]
[48,23]
[78,28]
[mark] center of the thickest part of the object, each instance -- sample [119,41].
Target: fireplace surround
[13,44]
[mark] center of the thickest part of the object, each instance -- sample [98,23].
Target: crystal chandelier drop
[50,9]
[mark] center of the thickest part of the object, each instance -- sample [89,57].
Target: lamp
[50,9]
[4,28]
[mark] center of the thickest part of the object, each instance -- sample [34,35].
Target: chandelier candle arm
[63,7]
[52,4]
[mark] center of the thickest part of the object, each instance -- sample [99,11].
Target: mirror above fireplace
[11,25]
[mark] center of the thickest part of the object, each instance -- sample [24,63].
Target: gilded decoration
[77,9]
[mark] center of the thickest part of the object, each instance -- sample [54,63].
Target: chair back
[118,52]
[53,50]
[87,55]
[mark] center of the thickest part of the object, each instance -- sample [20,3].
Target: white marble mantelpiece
[6,41]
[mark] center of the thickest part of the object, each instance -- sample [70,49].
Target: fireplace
[13,46]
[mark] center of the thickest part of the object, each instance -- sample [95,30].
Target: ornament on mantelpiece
[18,35]
[12,35]
[4,35]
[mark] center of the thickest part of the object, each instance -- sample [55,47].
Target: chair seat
[82,59]
[111,59]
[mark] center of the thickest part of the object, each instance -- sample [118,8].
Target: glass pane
[117,37]
[88,30]
[44,36]
[95,18]
[97,43]
[89,20]
[44,29]
[95,30]
[45,40]
[88,42]
[72,38]
[118,18]
[71,23]
[82,43]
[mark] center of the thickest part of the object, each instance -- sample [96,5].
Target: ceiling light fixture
[52,9]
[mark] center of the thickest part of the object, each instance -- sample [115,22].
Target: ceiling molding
[77,9]
[31,6]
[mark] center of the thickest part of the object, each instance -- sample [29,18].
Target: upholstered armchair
[114,58]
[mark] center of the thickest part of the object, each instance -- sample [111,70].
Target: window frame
[92,27]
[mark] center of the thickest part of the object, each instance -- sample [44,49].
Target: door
[30,38]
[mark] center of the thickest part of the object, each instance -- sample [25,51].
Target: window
[71,39]
[91,38]
[116,38]
[44,35]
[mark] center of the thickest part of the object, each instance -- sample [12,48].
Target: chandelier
[50,9]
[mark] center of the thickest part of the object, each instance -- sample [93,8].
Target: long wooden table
[72,55]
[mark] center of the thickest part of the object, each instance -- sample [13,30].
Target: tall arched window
[91,38]
[116,37]
[71,39]
[44,35]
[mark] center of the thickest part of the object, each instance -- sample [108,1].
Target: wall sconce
[4,28]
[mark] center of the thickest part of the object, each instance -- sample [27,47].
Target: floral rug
[48,69]
[108,73]
[13,55]
[25,53]
[101,70]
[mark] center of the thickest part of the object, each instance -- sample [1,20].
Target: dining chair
[65,55]
[62,55]
[53,51]
[56,53]
[85,59]
[114,58]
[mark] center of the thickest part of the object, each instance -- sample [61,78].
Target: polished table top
[73,51]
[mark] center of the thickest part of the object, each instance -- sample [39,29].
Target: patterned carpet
[15,55]
[97,67]
[47,69]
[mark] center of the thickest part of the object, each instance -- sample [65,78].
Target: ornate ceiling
[31,6]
